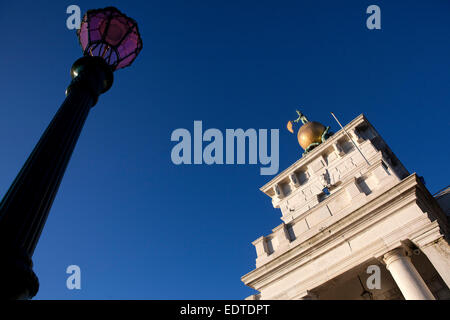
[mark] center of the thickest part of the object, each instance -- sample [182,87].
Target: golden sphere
[310,132]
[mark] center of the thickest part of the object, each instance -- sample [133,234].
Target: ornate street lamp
[110,41]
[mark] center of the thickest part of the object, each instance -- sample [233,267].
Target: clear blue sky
[141,227]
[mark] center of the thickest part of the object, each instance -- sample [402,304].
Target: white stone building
[347,221]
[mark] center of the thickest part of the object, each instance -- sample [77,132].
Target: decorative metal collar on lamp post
[110,41]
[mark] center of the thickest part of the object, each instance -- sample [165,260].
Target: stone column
[438,252]
[406,275]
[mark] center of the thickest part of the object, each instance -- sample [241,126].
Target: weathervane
[310,134]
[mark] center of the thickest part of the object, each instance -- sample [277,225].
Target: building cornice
[405,192]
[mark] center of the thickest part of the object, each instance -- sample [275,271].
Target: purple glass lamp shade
[110,34]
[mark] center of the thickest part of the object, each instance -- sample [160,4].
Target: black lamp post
[110,41]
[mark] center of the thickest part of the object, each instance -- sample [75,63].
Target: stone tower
[353,229]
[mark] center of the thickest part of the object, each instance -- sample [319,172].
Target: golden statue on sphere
[311,133]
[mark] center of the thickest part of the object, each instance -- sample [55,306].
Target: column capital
[395,254]
[405,275]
